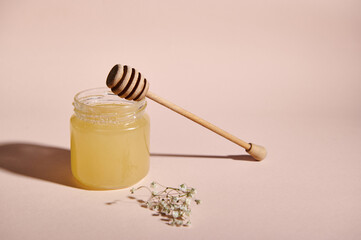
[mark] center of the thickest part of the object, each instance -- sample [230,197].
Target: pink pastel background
[283,74]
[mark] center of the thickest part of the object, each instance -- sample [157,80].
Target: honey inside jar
[109,140]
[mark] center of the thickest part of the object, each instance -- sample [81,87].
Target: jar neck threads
[100,106]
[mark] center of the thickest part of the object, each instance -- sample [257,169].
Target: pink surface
[285,75]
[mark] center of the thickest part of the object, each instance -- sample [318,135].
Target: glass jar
[109,140]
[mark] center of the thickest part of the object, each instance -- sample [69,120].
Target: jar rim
[105,92]
[101,105]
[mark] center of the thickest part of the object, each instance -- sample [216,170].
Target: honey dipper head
[127,83]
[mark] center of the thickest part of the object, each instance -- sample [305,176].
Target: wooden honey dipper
[130,84]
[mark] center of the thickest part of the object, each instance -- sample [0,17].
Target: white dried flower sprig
[174,203]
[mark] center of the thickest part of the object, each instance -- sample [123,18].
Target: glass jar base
[87,186]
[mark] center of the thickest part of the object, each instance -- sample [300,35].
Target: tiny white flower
[153,184]
[175,214]
[188,201]
[132,190]
[179,222]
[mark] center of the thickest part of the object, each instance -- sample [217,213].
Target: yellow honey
[109,140]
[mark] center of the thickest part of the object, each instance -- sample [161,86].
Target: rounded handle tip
[257,152]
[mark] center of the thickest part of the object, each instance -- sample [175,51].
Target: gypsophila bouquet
[173,203]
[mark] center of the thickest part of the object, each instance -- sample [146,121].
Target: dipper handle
[128,83]
[256,151]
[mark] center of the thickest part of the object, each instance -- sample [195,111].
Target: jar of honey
[109,140]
